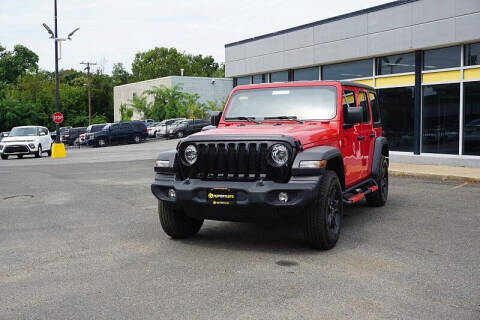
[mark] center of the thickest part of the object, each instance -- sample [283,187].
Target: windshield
[21,132]
[304,103]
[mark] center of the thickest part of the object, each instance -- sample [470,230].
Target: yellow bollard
[58,150]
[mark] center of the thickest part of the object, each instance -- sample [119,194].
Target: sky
[115,30]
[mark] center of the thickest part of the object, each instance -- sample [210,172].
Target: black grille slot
[15,149]
[236,161]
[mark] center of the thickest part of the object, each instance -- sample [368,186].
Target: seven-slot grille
[238,160]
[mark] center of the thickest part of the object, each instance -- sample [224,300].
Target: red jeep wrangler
[279,150]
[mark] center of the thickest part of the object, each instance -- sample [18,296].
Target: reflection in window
[471,124]
[441,58]
[472,54]
[399,63]
[397,114]
[441,107]
[306,74]
[243,80]
[375,108]
[259,78]
[362,98]
[280,76]
[347,70]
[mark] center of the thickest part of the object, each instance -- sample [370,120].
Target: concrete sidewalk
[435,172]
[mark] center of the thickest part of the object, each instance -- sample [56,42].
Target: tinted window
[375,108]
[441,58]
[306,74]
[396,64]
[362,98]
[471,111]
[397,114]
[303,102]
[281,76]
[259,78]
[243,80]
[472,54]
[348,99]
[347,70]
[441,106]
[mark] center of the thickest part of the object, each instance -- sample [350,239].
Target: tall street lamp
[55,37]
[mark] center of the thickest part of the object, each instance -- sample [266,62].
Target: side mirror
[42,134]
[215,119]
[351,116]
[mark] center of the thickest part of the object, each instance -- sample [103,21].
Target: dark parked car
[121,132]
[90,134]
[71,135]
[187,127]
[53,133]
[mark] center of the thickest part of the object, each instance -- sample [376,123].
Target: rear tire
[39,152]
[101,142]
[179,134]
[322,219]
[379,197]
[137,139]
[4,157]
[175,223]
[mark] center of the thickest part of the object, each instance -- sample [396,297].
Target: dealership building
[422,57]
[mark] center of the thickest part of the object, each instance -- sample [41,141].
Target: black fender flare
[332,155]
[380,148]
[171,156]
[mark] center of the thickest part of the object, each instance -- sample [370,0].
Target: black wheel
[4,157]
[39,152]
[49,152]
[322,220]
[179,134]
[20,156]
[137,138]
[175,223]
[101,142]
[379,197]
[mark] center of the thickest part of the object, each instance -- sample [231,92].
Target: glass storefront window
[306,74]
[280,76]
[347,70]
[397,114]
[471,122]
[243,80]
[440,113]
[441,58]
[472,54]
[399,63]
[259,78]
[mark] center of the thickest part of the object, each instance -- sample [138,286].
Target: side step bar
[358,192]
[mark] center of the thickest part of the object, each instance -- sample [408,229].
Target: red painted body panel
[357,154]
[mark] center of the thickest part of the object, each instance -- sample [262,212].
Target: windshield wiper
[252,119]
[289,118]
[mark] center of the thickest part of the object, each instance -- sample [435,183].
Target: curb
[434,176]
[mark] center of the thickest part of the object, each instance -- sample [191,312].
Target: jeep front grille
[235,160]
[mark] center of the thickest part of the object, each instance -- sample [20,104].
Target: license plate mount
[221,196]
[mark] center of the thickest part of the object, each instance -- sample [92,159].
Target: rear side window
[348,99]
[362,97]
[375,107]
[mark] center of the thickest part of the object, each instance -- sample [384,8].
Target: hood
[306,133]
[19,139]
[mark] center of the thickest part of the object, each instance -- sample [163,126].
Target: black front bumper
[255,200]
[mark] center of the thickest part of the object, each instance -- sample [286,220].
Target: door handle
[372,135]
[360,138]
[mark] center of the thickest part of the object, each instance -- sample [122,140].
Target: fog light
[31,145]
[172,194]
[283,197]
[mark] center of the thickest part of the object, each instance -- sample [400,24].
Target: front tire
[180,134]
[379,197]
[39,152]
[175,223]
[101,142]
[4,157]
[322,220]
[137,139]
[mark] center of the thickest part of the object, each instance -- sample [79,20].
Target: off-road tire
[321,231]
[179,134]
[379,197]
[175,223]
[4,157]
[39,152]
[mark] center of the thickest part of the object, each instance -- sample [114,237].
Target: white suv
[26,140]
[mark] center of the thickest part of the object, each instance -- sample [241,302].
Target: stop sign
[57,117]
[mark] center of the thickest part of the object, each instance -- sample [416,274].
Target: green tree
[139,104]
[119,74]
[15,63]
[126,113]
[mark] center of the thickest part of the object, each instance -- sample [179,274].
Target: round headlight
[279,155]
[190,155]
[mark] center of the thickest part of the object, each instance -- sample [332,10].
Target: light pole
[55,37]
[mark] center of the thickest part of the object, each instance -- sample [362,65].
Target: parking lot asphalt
[80,239]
